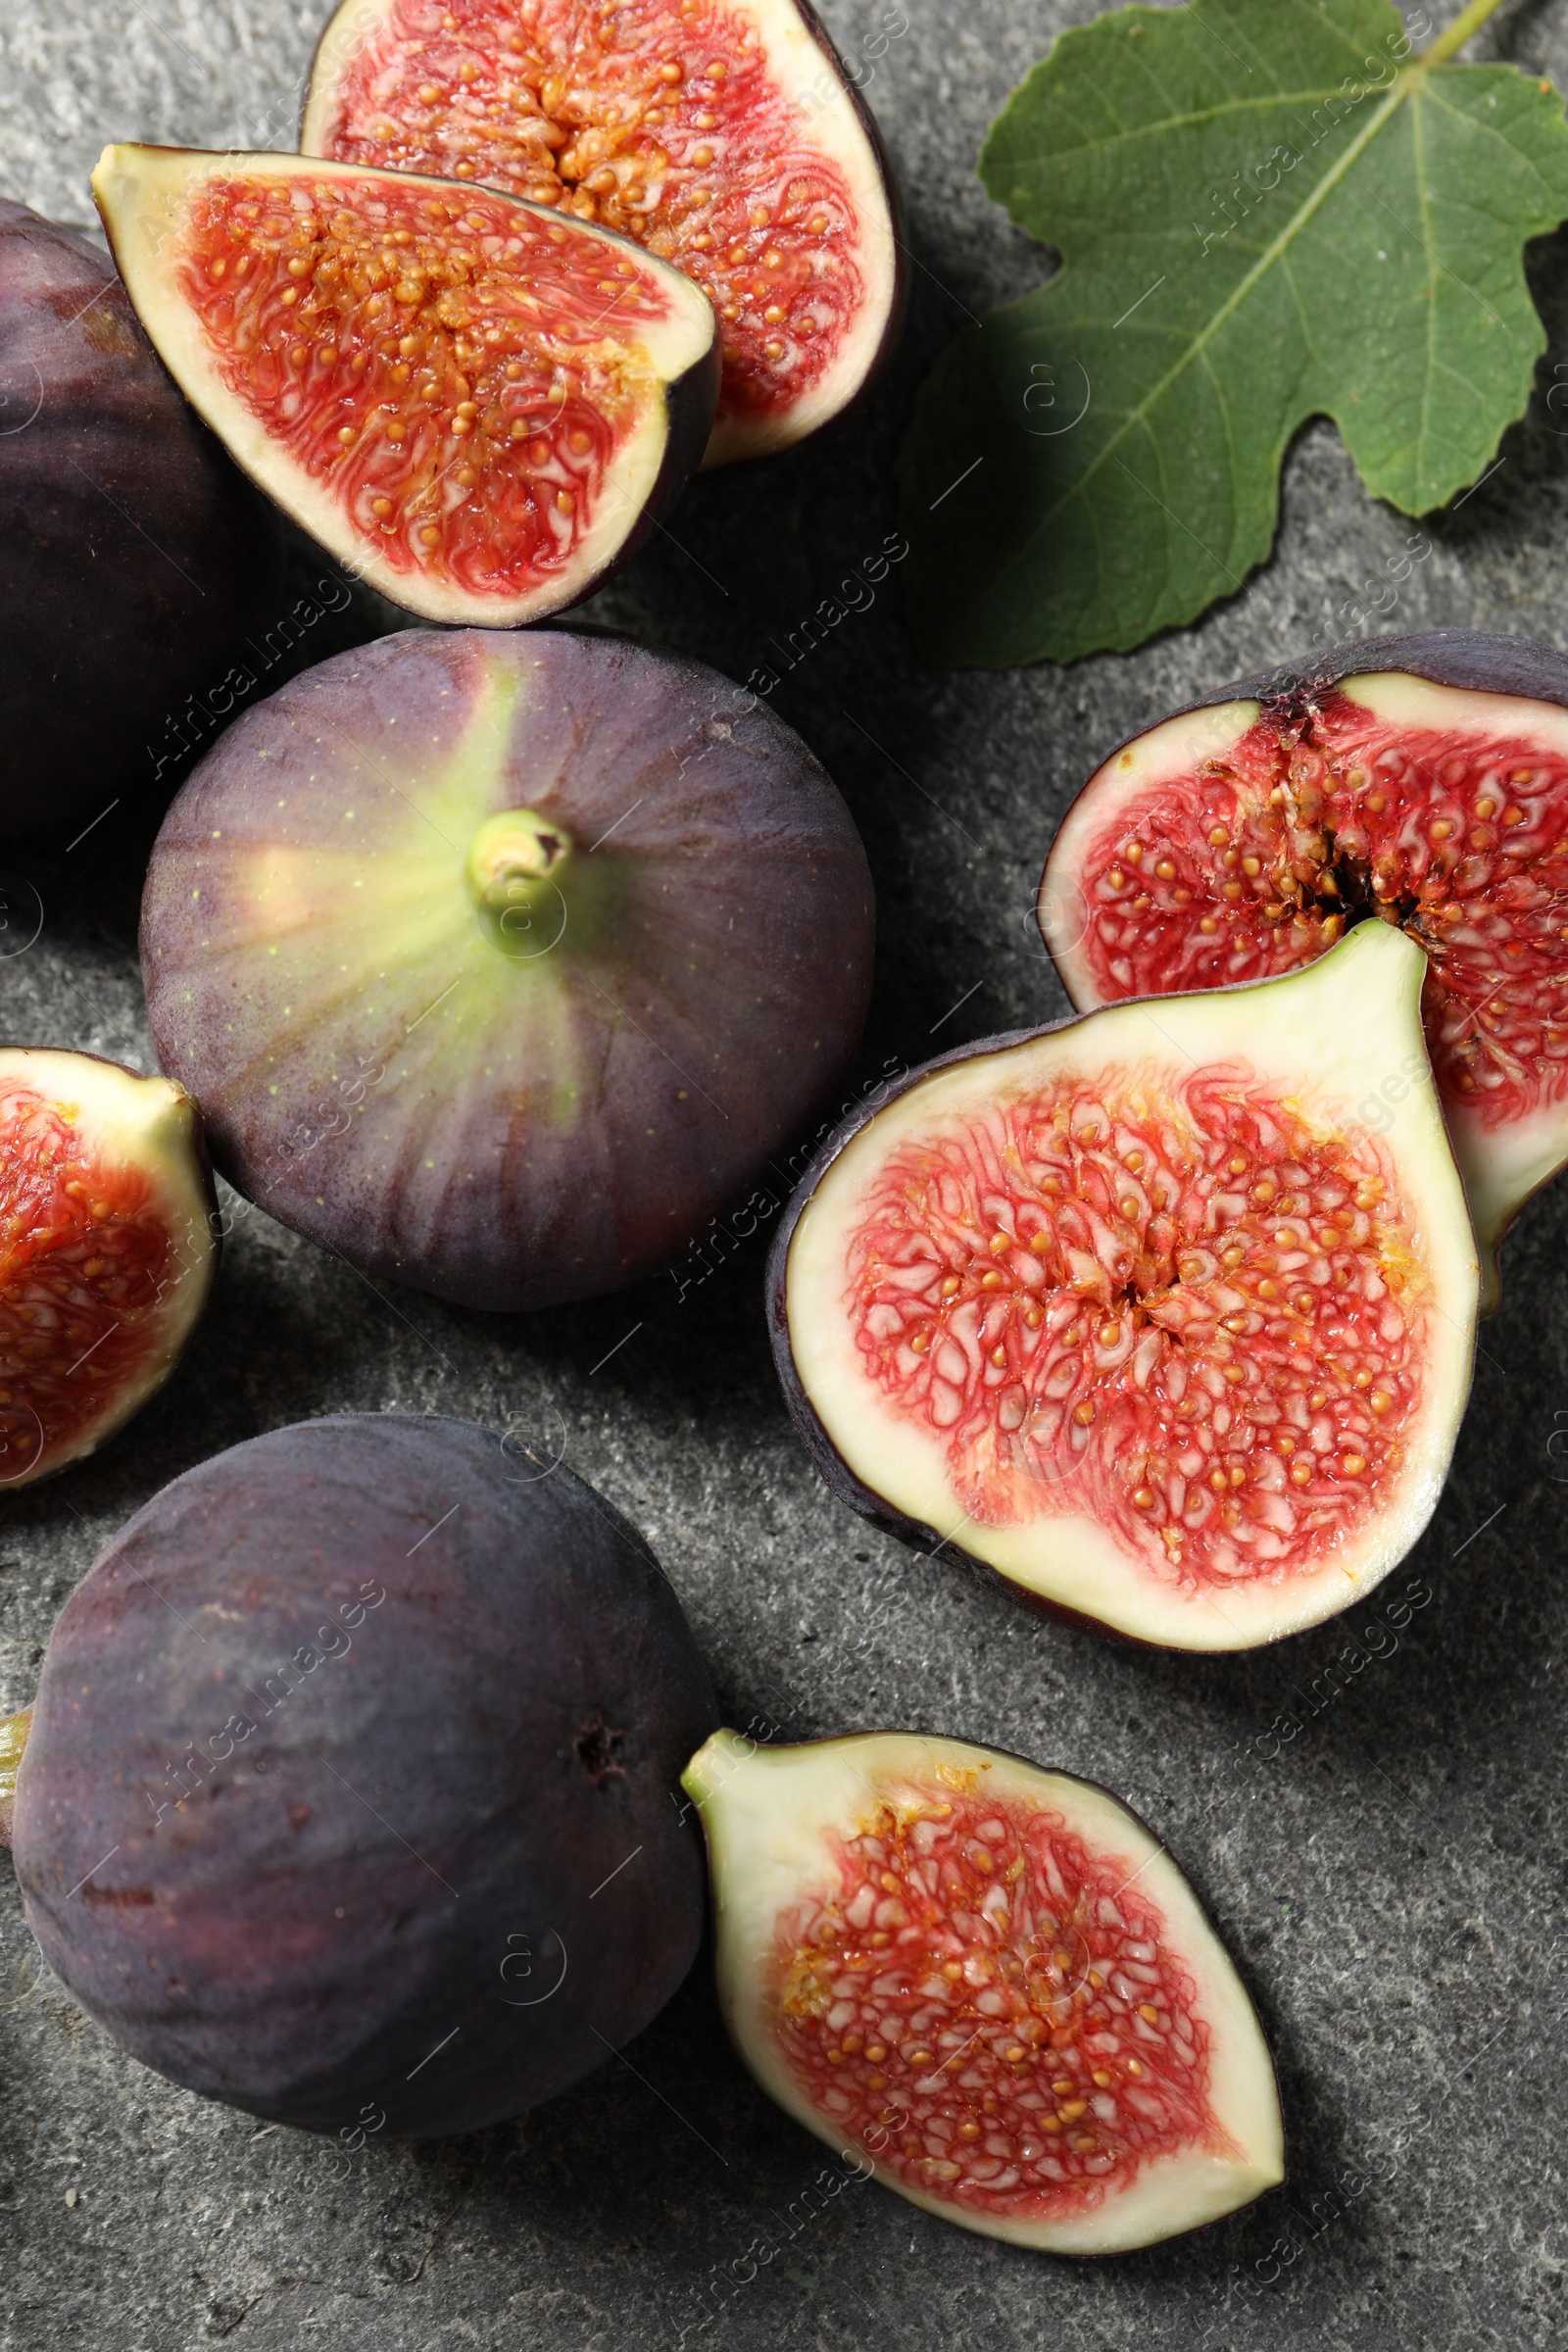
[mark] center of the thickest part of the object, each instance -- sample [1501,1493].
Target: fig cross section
[1165,1315]
[108,1248]
[722,136]
[987,1982]
[1421,780]
[476,404]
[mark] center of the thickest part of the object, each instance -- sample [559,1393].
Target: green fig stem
[515,858]
[13,1730]
[1469,21]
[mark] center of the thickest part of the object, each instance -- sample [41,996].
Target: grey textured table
[1389,1876]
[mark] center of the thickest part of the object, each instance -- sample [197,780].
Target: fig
[1420,779]
[1163,1316]
[108,1248]
[723,135]
[347,1791]
[502,964]
[476,405]
[989,1982]
[135,560]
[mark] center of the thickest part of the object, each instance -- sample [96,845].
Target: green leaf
[1252,233]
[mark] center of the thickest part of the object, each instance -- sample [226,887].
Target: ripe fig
[1420,779]
[478,406]
[1165,1315]
[345,1796]
[722,134]
[991,1983]
[502,964]
[135,558]
[108,1248]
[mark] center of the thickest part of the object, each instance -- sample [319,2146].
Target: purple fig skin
[470,1693]
[135,559]
[577,1116]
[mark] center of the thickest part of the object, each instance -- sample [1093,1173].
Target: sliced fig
[722,134]
[479,405]
[346,1793]
[502,964]
[135,560]
[108,1247]
[1421,779]
[1165,1315]
[990,1982]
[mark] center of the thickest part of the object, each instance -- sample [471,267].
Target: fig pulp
[108,1247]
[990,1982]
[347,1793]
[1420,779]
[478,406]
[1165,1315]
[722,134]
[135,558]
[500,965]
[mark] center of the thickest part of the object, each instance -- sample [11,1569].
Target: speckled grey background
[1390,1876]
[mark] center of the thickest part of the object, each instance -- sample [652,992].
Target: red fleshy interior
[659,121]
[85,1256]
[448,370]
[992,2009]
[1253,864]
[1171,1303]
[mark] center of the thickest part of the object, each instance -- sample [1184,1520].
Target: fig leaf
[1266,210]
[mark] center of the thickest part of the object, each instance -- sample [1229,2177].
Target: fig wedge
[722,134]
[478,406]
[1420,779]
[108,1248]
[1163,1315]
[989,1984]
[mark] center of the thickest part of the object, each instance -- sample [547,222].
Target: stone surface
[1387,1872]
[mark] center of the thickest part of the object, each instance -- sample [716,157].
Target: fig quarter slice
[108,1248]
[989,1982]
[722,134]
[1165,1315]
[478,406]
[1421,779]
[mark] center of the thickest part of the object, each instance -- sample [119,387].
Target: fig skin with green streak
[500,964]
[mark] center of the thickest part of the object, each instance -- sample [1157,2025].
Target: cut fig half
[990,1983]
[723,135]
[478,406]
[1420,779]
[108,1247]
[1163,1315]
